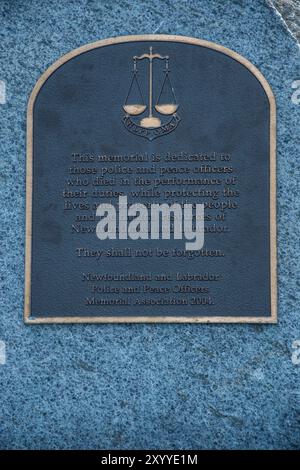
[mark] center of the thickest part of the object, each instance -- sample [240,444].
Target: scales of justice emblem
[151,126]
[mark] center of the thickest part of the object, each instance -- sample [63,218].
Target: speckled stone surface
[289,11]
[145,386]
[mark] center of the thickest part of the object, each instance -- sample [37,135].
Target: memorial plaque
[151,186]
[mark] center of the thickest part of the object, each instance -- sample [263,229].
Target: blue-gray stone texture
[145,386]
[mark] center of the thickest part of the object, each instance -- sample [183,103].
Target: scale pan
[166,108]
[134,109]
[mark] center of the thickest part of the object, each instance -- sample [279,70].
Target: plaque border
[29,186]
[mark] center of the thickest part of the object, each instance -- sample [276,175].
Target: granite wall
[146,386]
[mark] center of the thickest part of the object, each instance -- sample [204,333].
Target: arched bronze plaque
[127,139]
